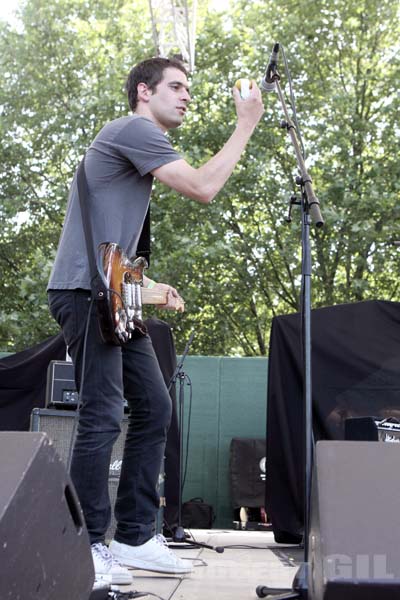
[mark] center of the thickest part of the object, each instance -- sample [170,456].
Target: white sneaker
[108,569]
[154,555]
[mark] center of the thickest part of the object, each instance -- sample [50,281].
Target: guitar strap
[143,247]
[99,287]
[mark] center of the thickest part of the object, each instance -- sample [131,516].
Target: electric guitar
[120,313]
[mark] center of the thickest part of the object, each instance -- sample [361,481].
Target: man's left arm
[174,300]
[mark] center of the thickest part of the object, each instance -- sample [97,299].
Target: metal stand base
[180,537]
[299,589]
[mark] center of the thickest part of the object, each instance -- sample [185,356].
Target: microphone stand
[310,212]
[179,535]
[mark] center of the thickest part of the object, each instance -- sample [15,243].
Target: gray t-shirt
[117,166]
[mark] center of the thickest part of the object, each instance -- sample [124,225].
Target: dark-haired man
[120,165]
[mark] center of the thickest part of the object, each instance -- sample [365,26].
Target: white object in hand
[244,86]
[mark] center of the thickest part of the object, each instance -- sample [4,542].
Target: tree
[62,78]
[344,75]
[237,262]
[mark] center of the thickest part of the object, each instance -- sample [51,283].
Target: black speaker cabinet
[58,424]
[354,544]
[247,472]
[44,550]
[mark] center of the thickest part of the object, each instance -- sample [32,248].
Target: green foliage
[63,73]
[236,262]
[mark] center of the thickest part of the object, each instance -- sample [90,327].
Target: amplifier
[58,424]
[371,429]
[60,385]
[388,431]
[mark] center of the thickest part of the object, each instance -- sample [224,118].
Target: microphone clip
[293,200]
[268,83]
[272,74]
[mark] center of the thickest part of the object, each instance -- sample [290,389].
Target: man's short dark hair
[150,72]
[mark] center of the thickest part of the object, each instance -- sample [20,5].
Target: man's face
[168,102]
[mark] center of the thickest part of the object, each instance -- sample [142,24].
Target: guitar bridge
[120,321]
[121,314]
[132,298]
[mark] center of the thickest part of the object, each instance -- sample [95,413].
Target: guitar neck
[153,296]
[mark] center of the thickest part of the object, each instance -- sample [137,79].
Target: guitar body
[120,314]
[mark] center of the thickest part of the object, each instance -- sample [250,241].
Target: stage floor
[250,559]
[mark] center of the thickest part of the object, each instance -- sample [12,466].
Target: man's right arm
[202,184]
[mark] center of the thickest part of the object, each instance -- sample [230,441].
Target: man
[120,165]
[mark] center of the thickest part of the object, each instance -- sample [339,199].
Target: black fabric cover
[23,382]
[355,372]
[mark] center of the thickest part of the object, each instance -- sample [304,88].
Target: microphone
[268,81]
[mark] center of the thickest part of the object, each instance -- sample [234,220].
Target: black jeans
[112,373]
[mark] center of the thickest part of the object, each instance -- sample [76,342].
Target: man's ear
[143,92]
